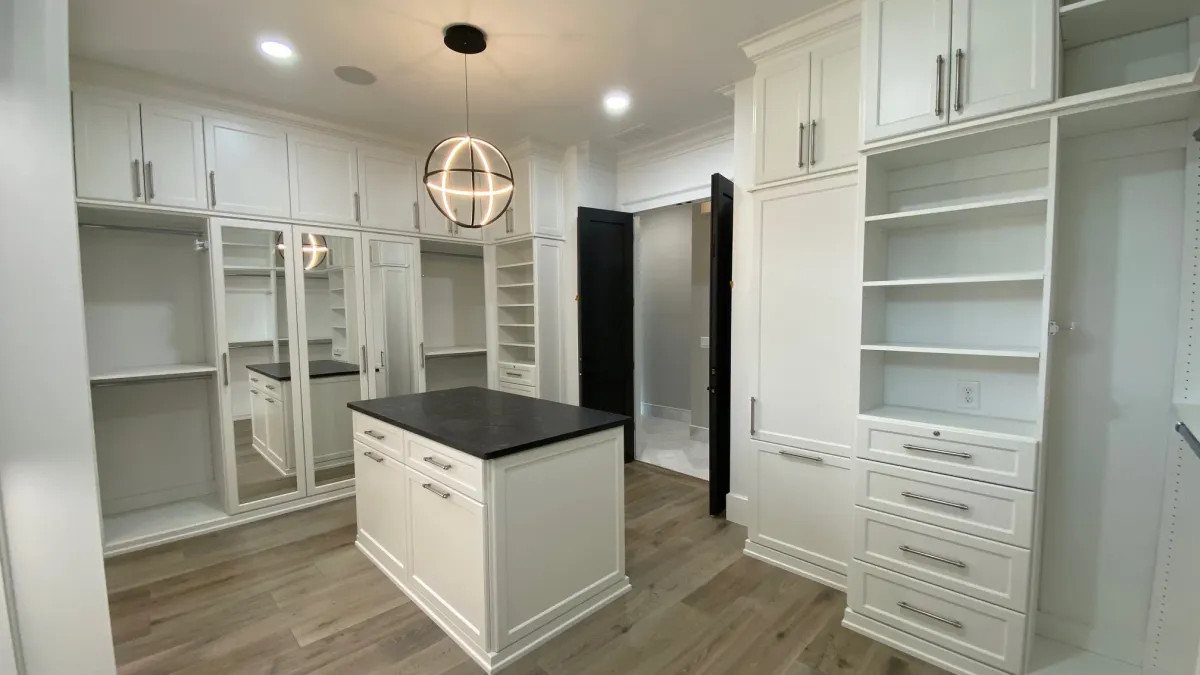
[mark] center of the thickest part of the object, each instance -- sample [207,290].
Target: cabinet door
[447,557]
[906,68]
[258,420]
[833,138]
[277,444]
[434,222]
[173,148]
[387,186]
[381,490]
[805,506]
[248,167]
[546,206]
[108,148]
[324,179]
[781,106]
[1002,54]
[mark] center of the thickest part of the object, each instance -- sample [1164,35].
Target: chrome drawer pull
[375,434]
[270,387]
[270,400]
[949,622]
[936,451]
[254,379]
[948,561]
[512,374]
[374,456]
[932,500]
[810,458]
[429,486]
[443,467]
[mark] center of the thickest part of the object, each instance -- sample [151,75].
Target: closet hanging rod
[147,230]
[454,255]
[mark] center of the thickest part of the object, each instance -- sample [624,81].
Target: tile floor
[668,444]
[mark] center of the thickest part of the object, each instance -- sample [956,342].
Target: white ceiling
[547,65]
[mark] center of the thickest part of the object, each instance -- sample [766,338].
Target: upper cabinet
[324,179]
[806,109]
[537,203]
[132,151]
[388,190]
[931,62]
[247,167]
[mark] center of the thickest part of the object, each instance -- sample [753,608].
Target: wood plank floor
[293,595]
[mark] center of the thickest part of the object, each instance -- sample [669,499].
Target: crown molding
[704,136]
[807,29]
[533,147]
[728,90]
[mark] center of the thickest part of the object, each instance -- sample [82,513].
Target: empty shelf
[516,325]
[939,418]
[132,527]
[514,265]
[971,279]
[520,304]
[527,345]
[1089,21]
[145,373]
[455,351]
[525,285]
[918,348]
[1012,207]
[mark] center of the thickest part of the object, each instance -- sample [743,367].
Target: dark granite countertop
[316,369]
[485,423]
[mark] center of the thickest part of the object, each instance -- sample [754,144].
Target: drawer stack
[517,378]
[943,530]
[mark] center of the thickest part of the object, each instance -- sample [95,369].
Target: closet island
[502,516]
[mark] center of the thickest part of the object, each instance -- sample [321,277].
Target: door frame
[418,325]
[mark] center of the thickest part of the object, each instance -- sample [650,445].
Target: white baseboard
[796,566]
[698,433]
[1115,644]
[667,413]
[737,509]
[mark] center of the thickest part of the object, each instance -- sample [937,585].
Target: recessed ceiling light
[275,49]
[616,102]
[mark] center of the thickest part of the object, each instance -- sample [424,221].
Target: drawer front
[520,389]
[990,511]
[379,435]
[516,373]
[994,460]
[976,629]
[804,507]
[456,469]
[980,568]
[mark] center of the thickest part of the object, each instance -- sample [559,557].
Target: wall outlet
[968,395]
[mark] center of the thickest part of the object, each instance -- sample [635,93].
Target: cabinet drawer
[979,630]
[516,373]
[804,507]
[266,385]
[456,469]
[991,459]
[379,435]
[520,389]
[982,509]
[980,568]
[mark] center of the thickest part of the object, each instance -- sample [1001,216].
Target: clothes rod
[146,230]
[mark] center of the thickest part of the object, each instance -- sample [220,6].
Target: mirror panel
[393,349]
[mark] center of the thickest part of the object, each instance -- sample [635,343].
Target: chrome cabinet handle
[512,374]
[270,400]
[429,486]
[959,55]
[753,401]
[254,379]
[440,465]
[508,221]
[137,179]
[363,365]
[422,354]
[271,387]
[375,434]
[931,615]
[373,456]
[149,181]
[811,458]
[812,143]
[937,451]
[212,188]
[933,500]
[937,92]
[923,554]
[416,217]
[225,367]
[800,154]
[357,209]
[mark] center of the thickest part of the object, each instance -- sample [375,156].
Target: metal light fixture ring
[469,181]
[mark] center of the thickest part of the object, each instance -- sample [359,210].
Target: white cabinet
[929,62]
[247,167]
[806,107]
[382,503]
[388,187]
[323,172]
[173,152]
[537,200]
[436,223]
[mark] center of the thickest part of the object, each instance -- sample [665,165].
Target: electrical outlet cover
[968,394]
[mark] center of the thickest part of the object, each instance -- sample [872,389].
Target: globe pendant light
[468,179]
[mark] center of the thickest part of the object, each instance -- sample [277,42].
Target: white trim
[674,198]
[807,29]
[794,565]
[853,169]
[697,138]
[667,413]
[737,509]
[697,433]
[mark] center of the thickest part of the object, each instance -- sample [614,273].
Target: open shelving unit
[516,313]
[148,373]
[454,308]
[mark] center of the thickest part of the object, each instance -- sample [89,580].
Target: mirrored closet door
[331,370]
[393,294]
[256,310]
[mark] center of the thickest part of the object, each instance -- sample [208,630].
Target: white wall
[47,460]
[664,244]
[701,264]
[676,169]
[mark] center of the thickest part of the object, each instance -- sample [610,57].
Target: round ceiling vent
[354,75]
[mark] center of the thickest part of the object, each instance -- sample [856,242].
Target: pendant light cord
[470,140]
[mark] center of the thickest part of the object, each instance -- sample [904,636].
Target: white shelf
[524,285]
[1089,21]
[245,244]
[127,529]
[341,328]
[455,351]
[972,279]
[995,209]
[948,420]
[517,325]
[917,348]
[252,268]
[338,309]
[146,373]
[515,265]
[1055,658]
[519,304]
[526,345]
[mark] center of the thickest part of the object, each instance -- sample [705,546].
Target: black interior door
[720,307]
[606,314]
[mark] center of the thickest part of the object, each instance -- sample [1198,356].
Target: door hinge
[731,283]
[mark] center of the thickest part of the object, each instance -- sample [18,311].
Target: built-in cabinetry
[528,277]
[537,206]
[453,348]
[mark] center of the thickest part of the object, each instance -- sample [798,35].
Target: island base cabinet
[382,502]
